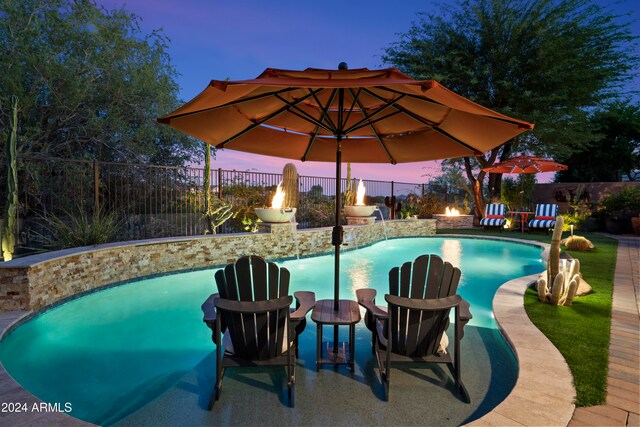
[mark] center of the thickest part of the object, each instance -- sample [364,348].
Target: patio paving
[348,398]
[622,407]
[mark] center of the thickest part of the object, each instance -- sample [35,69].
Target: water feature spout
[384,226]
[351,237]
[294,234]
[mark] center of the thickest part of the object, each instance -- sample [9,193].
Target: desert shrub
[431,204]
[577,216]
[77,228]
[622,204]
[577,243]
[518,193]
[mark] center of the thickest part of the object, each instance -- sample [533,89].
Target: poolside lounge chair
[252,310]
[494,215]
[545,217]
[411,329]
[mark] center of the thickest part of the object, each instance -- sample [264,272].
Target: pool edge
[525,404]
[544,393]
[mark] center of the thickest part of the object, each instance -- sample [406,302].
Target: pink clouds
[411,173]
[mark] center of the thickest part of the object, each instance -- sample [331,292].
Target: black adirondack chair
[409,330]
[253,307]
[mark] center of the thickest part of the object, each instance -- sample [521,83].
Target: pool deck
[537,398]
[622,407]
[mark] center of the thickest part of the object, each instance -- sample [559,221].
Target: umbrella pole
[336,237]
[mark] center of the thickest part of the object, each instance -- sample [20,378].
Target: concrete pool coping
[543,394]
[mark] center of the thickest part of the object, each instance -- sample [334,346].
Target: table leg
[318,347]
[335,346]
[352,347]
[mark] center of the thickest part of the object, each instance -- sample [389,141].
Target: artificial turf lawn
[581,331]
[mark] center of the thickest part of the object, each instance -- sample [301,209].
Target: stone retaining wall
[447,222]
[36,281]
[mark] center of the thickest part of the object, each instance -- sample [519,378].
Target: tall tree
[616,151]
[90,83]
[545,61]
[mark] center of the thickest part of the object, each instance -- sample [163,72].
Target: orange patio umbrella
[357,116]
[526,164]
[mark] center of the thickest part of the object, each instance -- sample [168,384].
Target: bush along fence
[64,202]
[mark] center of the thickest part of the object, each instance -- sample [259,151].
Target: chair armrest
[366,298]
[209,308]
[305,301]
[465,311]
[211,316]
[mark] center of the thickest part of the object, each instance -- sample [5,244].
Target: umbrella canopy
[359,116]
[386,116]
[526,164]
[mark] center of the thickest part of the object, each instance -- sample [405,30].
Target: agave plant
[78,228]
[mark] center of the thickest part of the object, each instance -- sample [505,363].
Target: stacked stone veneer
[33,282]
[459,221]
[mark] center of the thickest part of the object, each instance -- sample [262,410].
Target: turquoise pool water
[111,352]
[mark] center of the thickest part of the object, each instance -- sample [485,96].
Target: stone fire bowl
[275,215]
[359,210]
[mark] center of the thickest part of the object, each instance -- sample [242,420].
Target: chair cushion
[538,223]
[442,347]
[492,222]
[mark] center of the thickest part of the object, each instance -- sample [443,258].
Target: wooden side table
[336,353]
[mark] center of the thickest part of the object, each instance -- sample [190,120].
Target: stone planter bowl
[359,210]
[275,215]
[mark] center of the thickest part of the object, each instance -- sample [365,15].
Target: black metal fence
[160,201]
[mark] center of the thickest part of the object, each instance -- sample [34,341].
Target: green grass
[580,331]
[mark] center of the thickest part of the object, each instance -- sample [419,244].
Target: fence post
[391,188]
[220,183]
[96,187]
[423,190]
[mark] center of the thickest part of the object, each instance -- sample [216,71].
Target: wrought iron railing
[161,201]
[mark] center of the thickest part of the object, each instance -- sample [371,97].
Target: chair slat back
[496,209]
[548,210]
[255,336]
[414,332]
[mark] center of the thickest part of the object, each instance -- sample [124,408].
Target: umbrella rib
[424,99]
[367,119]
[375,132]
[228,104]
[298,112]
[363,123]
[258,123]
[424,121]
[443,132]
[355,102]
[398,107]
[325,110]
[433,126]
[311,141]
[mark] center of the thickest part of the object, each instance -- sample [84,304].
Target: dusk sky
[212,39]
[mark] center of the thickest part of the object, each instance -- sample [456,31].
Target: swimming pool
[111,352]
